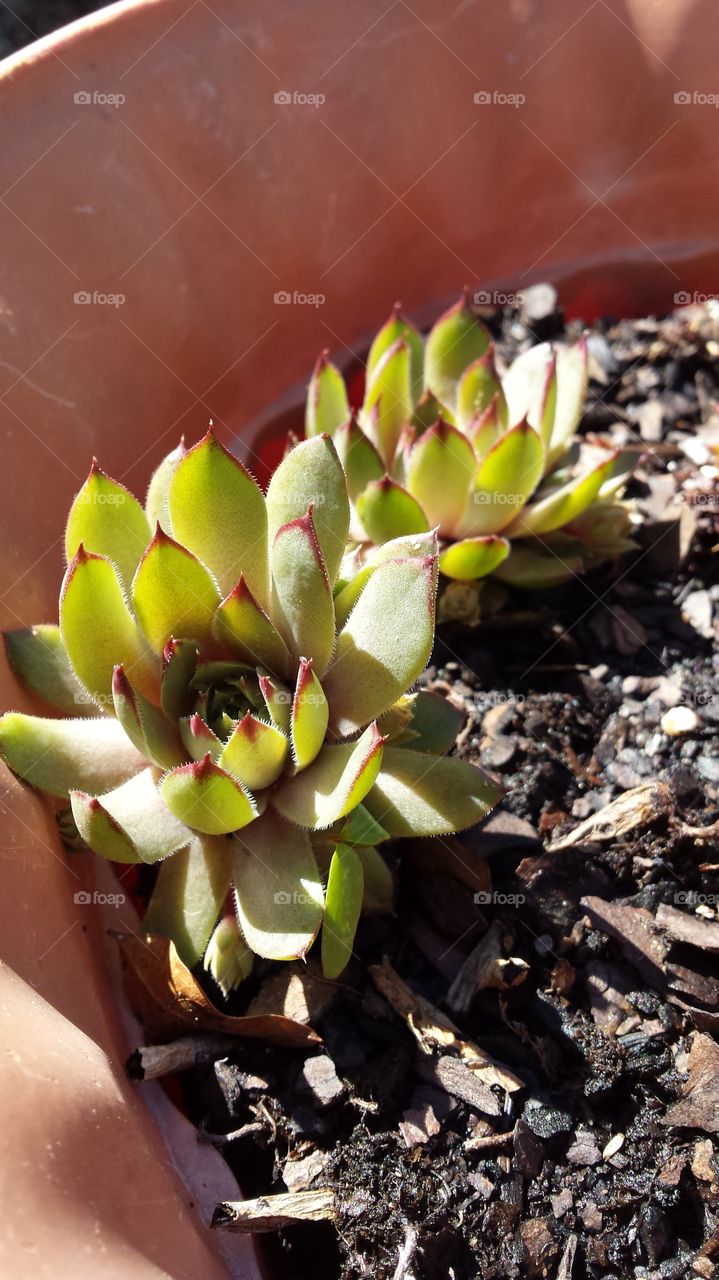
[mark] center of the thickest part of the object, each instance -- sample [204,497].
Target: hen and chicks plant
[239,713]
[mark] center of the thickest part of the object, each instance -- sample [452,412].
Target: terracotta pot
[150,152]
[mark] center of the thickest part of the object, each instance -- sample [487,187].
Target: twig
[221,1139]
[406,1253]
[488,1141]
[152,1060]
[271,1213]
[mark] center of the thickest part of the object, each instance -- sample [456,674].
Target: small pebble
[679,720]
[613,1146]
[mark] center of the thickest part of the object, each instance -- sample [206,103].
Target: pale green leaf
[145,725]
[388,511]
[343,903]
[473,558]
[207,798]
[242,626]
[198,738]
[396,328]
[415,546]
[455,342]
[157,507]
[218,512]
[423,795]
[228,959]
[333,784]
[572,381]
[131,818]
[310,714]
[562,504]
[440,473]
[327,404]
[536,567]
[189,895]
[508,474]
[530,386]
[98,630]
[302,606]
[359,458]
[179,664]
[279,899]
[107,520]
[38,658]
[478,387]
[311,476]
[388,402]
[385,644]
[278,701]
[58,755]
[173,594]
[255,753]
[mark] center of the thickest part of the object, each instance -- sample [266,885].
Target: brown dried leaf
[168,1001]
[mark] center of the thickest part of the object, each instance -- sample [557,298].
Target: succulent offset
[442,441]
[240,713]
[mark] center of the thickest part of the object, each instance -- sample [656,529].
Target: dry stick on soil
[489,1140]
[221,1139]
[271,1213]
[485,967]
[150,1061]
[406,1253]
[434,1031]
[635,808]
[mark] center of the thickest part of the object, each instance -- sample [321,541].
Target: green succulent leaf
[145,725]
[59,755]
[572,381]
[361,828]
[455,342]
[385,644]
[343,904]
[388,511]
[395,329]
[189,895]
[388,402]
[473,558]
[279,899]
[105,518]
[278,701]
[242,626]
[434,725]
[359,458]
[327,403]
[207,798]
[423,795]
[173,593]
[530,386]
[538,568]
[563,503]
[256,753]
[38,658]
[311,476]
[218,512]
[91,591]
[506,477]
[478,388]
[378,896]
[157,504]
[302,605]
[485,430]
[129,820]
[179,664]
[333,784]
[228,958]
[440,474]
[310,714]
[414,546]
[198,738]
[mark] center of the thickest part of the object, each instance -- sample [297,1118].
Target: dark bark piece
[633,928]
[451,1075]
[699,1104]
[681,927]
[485,967]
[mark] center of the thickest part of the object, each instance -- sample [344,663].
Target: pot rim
[37,51]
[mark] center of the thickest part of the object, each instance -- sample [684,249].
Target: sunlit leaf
[145,725]
[343,903]
[311,476]
[106,519]
[508,474]
[198,738]
[359,458]
[207,798]
[396,328]
[133,818]
[473,558]
[279,900]
[38,658]
[388,511]
[302,606]
[242,626]
[388,402]
[562,504]
[98,631]
[414,546]
[333,784]
[572,381]
[478,387]
[417,794]
[361,828]
[189,895]
[58,755]
[440,474]
[173,594]
[278,701]
[228,958]
[157,507]
[454,342]
[327,403]
[218,512]
[530,386]
[310,714]
[385,644]
[255,753]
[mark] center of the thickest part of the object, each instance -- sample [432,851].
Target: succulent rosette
[492,462]
[240,714]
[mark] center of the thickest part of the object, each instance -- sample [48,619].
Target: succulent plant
[240,715]
[443,441]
